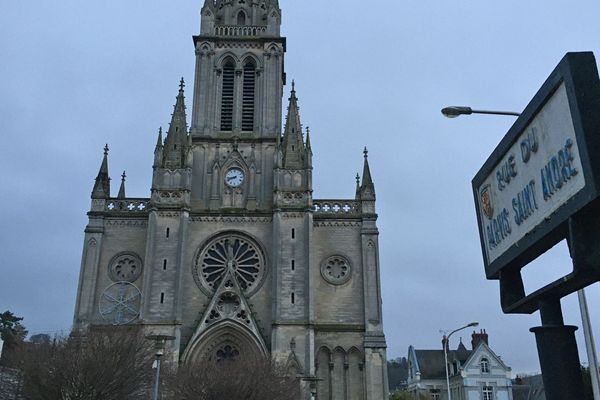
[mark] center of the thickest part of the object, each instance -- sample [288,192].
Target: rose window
[235,253]
[125,267]
[120,303]
[336,270]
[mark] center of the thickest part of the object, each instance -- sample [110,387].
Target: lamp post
[159,345]
[446,341]
[455,111]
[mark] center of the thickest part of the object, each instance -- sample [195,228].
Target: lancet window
[227,96]
[248,96]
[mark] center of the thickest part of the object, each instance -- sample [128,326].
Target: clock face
[234,177]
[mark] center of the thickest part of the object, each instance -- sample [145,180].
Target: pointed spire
[308,146]
[367,189]
[121,194]
[102,186]
[159,141]
[293,143]
[366,180]
[176,140]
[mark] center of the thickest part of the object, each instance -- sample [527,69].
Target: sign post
[541,185]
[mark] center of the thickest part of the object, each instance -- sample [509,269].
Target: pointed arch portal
[226,340]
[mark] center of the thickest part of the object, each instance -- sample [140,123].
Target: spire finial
[102,185]
[121,194]
[293,85]
[308,145]
[357,179]
[181,84]
[367,188]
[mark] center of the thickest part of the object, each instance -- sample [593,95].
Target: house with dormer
[476,374]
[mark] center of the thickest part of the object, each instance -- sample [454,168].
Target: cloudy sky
[77,74]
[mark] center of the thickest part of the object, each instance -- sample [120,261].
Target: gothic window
[241,18]
[227,96]
[336,270]
[485,366]
[234,252]
[227,353]
[248,96]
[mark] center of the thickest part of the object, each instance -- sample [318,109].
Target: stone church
[230,253]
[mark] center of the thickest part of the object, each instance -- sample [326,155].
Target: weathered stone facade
[231,254]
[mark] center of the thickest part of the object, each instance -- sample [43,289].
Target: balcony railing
[130,206]
[336,208]
[240,31]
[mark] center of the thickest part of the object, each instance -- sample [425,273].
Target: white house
[477,374]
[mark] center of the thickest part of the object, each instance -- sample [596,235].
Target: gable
[483,351]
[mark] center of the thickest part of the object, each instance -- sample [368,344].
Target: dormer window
[485,366]
[241,18]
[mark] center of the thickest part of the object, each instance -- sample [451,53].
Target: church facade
[231,254]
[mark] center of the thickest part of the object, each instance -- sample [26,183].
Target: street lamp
[455,111]
[446,342]
[159,345]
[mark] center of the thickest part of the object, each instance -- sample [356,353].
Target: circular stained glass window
[336,270]
[233,252]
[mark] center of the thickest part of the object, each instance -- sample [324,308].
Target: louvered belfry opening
[248,97]
[227,96]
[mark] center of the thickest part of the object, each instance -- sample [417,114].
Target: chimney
[477,338]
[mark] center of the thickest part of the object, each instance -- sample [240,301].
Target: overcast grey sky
[77,74]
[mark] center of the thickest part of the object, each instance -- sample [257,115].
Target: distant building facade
[230,253]
[476,374]
[529,388]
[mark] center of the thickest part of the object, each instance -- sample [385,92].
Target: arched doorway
[225,341]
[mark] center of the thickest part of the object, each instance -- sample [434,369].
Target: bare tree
[234,380]
[110,365]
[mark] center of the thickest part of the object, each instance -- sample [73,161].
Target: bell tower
[231,254]
[239,70]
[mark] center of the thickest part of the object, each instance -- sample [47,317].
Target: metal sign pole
[589,343]
[557,346]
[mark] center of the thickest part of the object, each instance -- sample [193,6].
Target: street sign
[544,170]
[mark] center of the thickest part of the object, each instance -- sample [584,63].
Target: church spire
[102,186]
[158,150]
[367,189]
[176,141]
[293,143]
[308,146]
[121,194]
